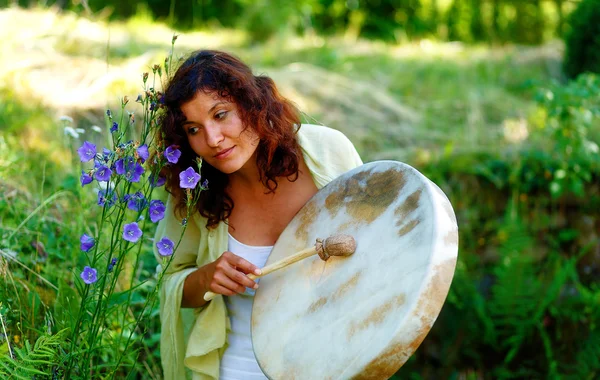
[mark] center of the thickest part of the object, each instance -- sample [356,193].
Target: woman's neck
[247,178]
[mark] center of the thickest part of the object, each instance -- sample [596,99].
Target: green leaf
[568,234]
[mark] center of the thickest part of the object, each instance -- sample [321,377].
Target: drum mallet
[336,245]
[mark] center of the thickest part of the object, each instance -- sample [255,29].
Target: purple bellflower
[157,210]
[87,242]
[104,196]
[85,178]
[131,232]
[143,153]
[165,246]
[89,275]
[188,179]
[102,173]
[87,151]
[130,168]
[172,154]
[135,202]
[120,166]
[112,264]
[157,180]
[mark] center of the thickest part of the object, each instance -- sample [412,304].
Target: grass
[424,95]
[413,103]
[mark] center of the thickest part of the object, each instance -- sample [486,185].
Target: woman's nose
[214,136]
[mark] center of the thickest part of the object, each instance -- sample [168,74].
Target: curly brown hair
[274,118]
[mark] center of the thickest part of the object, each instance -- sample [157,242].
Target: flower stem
[81,313]
[151,298]
[98,312]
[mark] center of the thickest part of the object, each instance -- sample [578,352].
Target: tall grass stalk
[46,202]
[7,256]
[5,334]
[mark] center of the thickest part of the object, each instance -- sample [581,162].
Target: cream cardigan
[193,340]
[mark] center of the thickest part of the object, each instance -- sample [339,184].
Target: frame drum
[364,315]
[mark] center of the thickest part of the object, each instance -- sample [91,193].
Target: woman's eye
[192,130]
[220,115]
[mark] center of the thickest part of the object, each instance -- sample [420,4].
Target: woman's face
[216,133]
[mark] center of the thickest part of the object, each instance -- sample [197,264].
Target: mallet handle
[285,262]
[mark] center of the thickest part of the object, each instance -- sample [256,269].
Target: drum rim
[427,281]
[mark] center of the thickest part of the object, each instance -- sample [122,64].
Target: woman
[262,166]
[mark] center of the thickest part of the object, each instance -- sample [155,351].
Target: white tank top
[239,362]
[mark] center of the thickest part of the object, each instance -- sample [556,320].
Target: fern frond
[587,362]
[36,360]
[525,292]
[552,363]
[515,293]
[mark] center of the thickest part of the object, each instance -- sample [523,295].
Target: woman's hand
[226,275]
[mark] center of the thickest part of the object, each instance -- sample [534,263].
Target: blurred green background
[496,101]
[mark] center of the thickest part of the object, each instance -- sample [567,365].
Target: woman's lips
[224,153]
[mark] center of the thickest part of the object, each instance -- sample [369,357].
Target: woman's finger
[222,284]
[240,278]
[218,289]
[242,264]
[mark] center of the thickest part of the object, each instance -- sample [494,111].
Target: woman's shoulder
[327,152]
[322,139]
[315,131]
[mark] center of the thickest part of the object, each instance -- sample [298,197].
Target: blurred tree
[331,16]
[459,21]
[583,41]
[495,20]
[386,19]
[265,18]
[528,26]
[122,9]
[561,17]
[522,21]
[477,26]
[198,13]
[434,12]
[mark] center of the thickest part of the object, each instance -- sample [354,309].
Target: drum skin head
[360,316]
